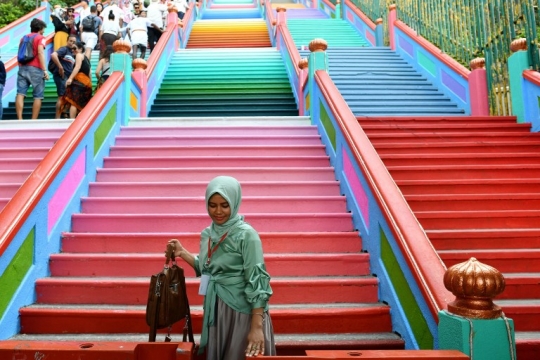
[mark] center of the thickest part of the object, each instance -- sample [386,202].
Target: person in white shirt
[91,37]
[181,7]
[138,33]
[84,12]
[110,32]
[156,11]
[113,8]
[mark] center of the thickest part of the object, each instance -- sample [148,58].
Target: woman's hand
[68,82]
[255,339]
[176,246]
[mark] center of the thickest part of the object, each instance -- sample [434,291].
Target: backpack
[26,49]
[89,23]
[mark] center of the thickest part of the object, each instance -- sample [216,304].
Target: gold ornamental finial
[281,9]
[303,63]
[475,285]
[392,7]
[121,46]
[318,45]
[379,21]
[477,63]
[518,44]
[139,64]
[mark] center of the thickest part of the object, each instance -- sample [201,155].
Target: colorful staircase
[304,28]
[225,82]
[151,189]
[474,185]
[243,33]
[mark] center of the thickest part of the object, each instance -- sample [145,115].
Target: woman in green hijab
[234,280]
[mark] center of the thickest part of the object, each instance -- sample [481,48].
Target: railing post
[139,75]
[317,61]
[121,61]
[338,10]
[314,4]
[473,324]
[281,16]
[478,88]
[302,65]
[517,63]
[392,17]
[379,32]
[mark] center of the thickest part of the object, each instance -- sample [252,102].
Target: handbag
[167,300]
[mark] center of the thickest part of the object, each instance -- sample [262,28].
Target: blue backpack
[26,49]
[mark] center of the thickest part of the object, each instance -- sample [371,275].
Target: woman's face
[219,209]
[99,7]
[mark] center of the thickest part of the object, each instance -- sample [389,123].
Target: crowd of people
[77,35]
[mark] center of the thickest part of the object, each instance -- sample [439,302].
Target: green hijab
[229,188]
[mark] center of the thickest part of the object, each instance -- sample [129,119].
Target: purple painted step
[231,150]
[203,131]
[210,140]
[195,205]
[305,14]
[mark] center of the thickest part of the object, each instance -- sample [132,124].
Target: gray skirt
[227,338]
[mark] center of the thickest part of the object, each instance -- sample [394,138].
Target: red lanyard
[213,250]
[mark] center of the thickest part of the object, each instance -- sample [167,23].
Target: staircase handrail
[290,55]
[411,238]
[352,6]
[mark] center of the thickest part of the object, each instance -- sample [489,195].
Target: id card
[204,284]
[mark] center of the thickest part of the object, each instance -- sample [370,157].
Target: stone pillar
[478,88]
[303,66]
[379,32]
[392,17]
[139,75]
[517,63]
[318,60]
[121,61]
[473,324]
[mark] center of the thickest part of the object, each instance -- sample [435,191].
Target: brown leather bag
[168,301]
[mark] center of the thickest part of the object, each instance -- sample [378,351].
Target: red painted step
[476,192]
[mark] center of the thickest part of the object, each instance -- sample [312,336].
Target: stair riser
[488,187]
[443,129]
[525,319]
[197,206]
[223,141]
[504,264]
[25,134]
[179,163]
[32,143]
[167,223]
[108,322]
[437,160]
[486,221]
[522,289]
[488,242]
[472,149]
[19,164]
[199,131]
[262,174]
[137,293]
[218,151]
[22,153]
[273,243]
[446,138]
[183,189]
[8,190]
[479,204]
[13,177]
[493,172]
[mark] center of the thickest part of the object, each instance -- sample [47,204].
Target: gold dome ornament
[139,64]
[121,46]
[518,45]
[303,63]
[318,45]
[477,63]
[475,285]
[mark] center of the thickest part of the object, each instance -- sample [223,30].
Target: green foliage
[9,13]
[11,10]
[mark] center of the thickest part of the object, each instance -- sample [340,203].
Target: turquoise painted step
[377,81]
[336,32]
[232,82]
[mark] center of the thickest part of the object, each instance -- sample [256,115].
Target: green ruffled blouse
[237,274]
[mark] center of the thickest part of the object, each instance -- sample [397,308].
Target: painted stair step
[185,131]
[231,150]
[485,239]
[19,164]
[525,313]
[207,161]
[487,138]
[246,106]
[461,159]
[32,125]
[23,153]
[438,128]
[389,109]
[474,202]
[218,140]
[469,186]
[424,103]
[207,174]
[13,176]
[502,219]
[195,222]
[38,132]
[222,121]
[195,205]
[464,120]
[273,242]
[465,172]
[8,190]
[504,260]
[134,291]
[462,147]
[175,189]
[520,286]
[37,142]
[209,111]
[77,265]
[299,319]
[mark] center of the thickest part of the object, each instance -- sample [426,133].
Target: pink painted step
[134,291]
[512,219]
[469,186]
[424,128]
[483,239]
[195,205]
[30,133]
[37,142]
[477,159]
[312,318]
[464,172]
[231,150]
[19,164]
[249,188]
[273,242]
[208,161]
[218,140]
[146,264]
[207,174]
[470,202]
[195,222]
[517,260]
[202,131]
[13,176]
[23,152]
[464,147]
[8,190]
